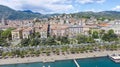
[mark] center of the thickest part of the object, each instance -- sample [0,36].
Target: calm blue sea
[89,62]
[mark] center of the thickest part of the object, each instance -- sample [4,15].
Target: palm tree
[90,32]
[101,33]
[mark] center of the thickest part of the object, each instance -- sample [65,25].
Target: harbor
[86,62]
[55,58]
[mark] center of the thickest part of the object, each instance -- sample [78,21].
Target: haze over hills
[102,14]
[12,14]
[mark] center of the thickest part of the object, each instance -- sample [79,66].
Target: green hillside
[11,14]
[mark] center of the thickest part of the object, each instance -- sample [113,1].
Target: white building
[77,29]
[27,32]
[116,28]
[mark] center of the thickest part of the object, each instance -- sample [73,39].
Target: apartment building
[21,33]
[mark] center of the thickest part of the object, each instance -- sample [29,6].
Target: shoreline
[54,58]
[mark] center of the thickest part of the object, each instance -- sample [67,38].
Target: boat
[115,58]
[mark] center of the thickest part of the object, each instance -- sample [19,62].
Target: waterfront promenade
[53,58]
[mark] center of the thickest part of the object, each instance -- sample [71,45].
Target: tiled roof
[103,24]
[27,29]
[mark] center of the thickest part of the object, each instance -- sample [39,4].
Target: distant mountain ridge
[29,11]
[103,14]
[12,14]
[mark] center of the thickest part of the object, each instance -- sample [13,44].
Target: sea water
[66,63]
[89,62]
[97,62]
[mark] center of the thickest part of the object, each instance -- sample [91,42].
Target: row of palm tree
[58,51]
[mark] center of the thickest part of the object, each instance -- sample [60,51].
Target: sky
[62,6]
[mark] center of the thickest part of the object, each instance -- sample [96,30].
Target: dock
[48,66]
[76,63]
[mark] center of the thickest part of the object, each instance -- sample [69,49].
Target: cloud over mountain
[90,1]
[117,7]
[39,5]
[60,6]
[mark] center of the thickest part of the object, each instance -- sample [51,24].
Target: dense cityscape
[57,34]
[66,36]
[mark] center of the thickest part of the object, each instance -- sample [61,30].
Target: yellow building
[21,33]
[16,34]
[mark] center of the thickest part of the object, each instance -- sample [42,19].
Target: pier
[48,66]
[76,63]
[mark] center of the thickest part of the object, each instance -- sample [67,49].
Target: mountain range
[8,13]
[98,15]
[12,14]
